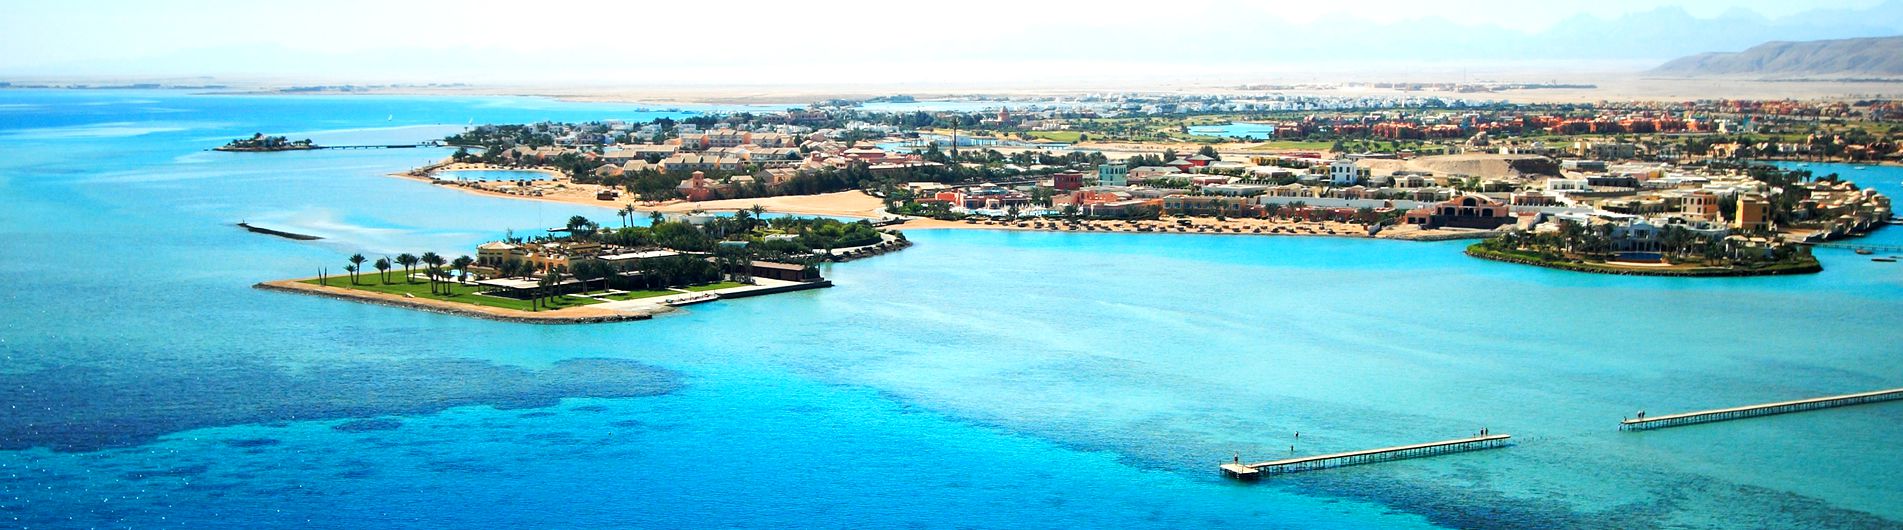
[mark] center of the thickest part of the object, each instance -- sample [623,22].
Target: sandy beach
[838,204]
[552,173]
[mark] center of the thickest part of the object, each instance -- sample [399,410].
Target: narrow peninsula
[585,273]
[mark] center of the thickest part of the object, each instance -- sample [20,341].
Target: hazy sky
[809,41]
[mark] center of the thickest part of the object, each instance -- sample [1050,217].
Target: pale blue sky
[734,40]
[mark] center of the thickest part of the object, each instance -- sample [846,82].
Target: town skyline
[974,43]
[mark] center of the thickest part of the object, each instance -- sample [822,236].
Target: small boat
[1864,251]
[1884,260]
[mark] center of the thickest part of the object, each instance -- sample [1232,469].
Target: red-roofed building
[1067,181]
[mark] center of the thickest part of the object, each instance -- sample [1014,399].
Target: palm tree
[356,262]
[576,224]
[547,285]
[655,218]
[383,270]
[588,270]
[627,215]
[432,261]
[407,260]
[462,264]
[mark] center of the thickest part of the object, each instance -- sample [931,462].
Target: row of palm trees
[1600,242]
[435,267]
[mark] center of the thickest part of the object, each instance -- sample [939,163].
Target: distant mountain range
[1866,58]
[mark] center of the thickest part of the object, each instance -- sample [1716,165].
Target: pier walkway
[1253,471]
[383,146]
[1766,409]
[1857,246]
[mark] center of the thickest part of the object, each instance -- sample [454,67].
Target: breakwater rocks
[888,245]
[576,315]
[1708,272]
[279,233]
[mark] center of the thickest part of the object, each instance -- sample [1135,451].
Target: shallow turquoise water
[1259,131]
[977,379]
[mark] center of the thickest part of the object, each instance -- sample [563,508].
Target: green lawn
[458,293]
[1061,136]
[712,286]
[631,295]
[1293,144]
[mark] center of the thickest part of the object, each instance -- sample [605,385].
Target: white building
[1566,185]
[1345,173]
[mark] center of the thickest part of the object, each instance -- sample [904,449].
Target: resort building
[1113,175]
[1345,173]
[1236,190]
[701,162]
[1205,205]
[792,272]
[1149,172]
[696,188]
[1532,198]
[1699,204]
[1754,214]
[1466,211]
[493,254]
[1067,181]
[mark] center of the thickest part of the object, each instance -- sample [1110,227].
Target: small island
[1684,254]
[258,142]
[1765,230]
[583,272]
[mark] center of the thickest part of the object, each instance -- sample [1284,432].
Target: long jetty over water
[1857,246]
[1766,409]
[1275,467]
[384,146]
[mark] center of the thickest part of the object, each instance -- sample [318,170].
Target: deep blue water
[977,379]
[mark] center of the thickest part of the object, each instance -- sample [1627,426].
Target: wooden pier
[1766,409]
[398,146]
[1857,246]
[1242,471]
[324,147]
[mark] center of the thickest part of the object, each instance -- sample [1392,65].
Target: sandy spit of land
[838,204]
[567,315]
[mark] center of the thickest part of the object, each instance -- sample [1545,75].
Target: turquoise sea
[976,380]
